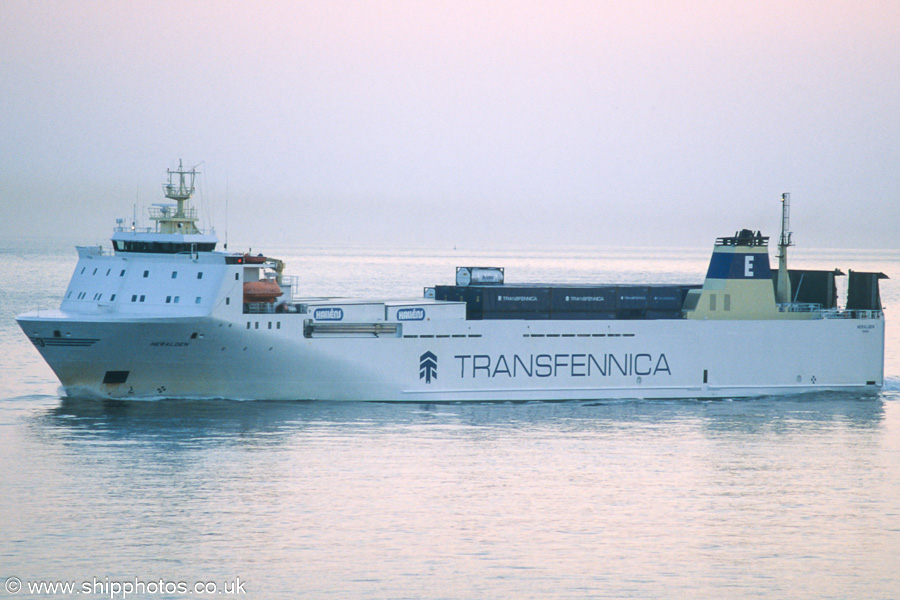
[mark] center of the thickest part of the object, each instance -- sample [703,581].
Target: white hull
[166,316]
[475,360]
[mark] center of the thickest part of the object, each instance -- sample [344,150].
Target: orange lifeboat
[254,260]
[261,291]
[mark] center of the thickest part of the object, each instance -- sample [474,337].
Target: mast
[179,188]
[783,287]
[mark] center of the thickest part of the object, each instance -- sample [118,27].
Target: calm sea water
[795,497]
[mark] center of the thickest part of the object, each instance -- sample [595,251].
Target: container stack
[567,302]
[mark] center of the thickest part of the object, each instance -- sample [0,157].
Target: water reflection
[538,499]
[222,421]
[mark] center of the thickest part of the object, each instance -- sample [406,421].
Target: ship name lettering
[472,366]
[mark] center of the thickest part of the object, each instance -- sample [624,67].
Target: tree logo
[428,367]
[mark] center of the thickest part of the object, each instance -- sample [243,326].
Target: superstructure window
[197,301]
[142,297]
[108,271]
[95,272]
[122,274]
[200,275]
[163,247]
[146,274]
[134,298]
[177,298]
[168,299]
[174,274]
[112,298]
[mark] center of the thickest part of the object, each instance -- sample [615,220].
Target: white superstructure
[164,315]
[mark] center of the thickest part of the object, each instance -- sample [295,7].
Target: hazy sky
[470,123]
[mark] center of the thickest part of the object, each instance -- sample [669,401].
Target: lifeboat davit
[261,291]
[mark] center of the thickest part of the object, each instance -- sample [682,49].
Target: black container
[666,297]
[583,299]
[632,297]
[516,299]
[472,296]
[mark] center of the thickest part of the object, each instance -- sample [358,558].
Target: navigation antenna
[226,210]
[183,191]
[179,188]
[783,289]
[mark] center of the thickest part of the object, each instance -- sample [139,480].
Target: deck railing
[830,313]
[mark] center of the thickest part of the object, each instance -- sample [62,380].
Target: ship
[164,314]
